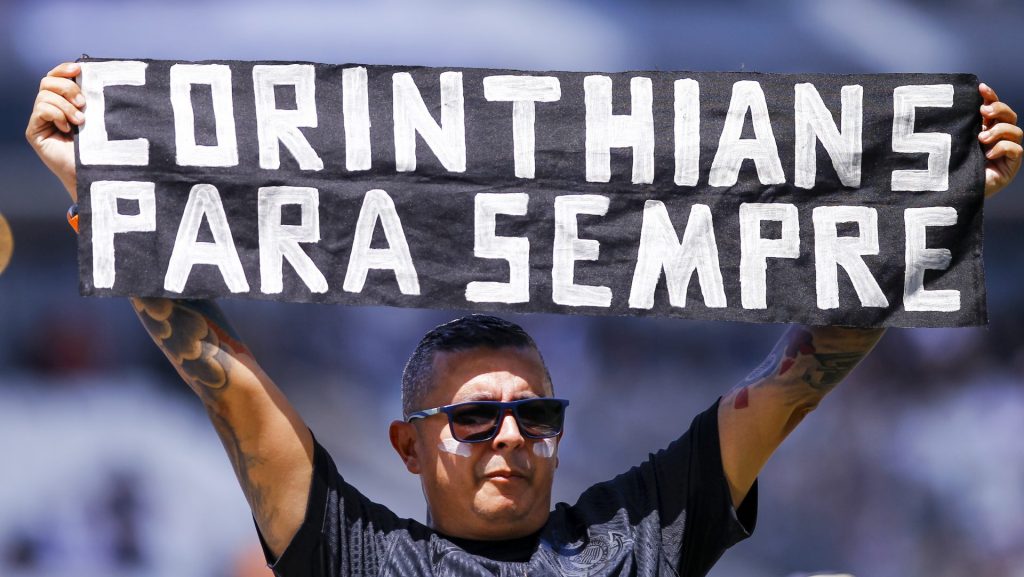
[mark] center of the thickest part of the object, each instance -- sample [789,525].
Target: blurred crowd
[912,467]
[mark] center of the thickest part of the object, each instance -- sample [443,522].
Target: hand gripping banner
[821,199]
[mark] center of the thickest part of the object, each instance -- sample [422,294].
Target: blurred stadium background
[914,467]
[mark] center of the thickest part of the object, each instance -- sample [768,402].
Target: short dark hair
[462,334]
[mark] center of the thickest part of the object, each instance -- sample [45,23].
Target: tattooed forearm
[199,342]
[270,448]
[243,464]
[809,362]
[763,409]
[196,338]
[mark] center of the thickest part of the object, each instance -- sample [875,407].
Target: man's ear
[403,439]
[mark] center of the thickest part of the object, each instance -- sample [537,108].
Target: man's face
[498,489]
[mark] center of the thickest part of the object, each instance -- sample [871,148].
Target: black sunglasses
[479,421]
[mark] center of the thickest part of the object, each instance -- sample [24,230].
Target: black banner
[822,199]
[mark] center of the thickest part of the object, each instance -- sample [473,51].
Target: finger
[1005,148]
[1002,131]
[66,70]
[987,94]
[999,112]
[64,87]
[71,113]
[47,112]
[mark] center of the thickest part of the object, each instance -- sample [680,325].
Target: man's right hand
[58,107]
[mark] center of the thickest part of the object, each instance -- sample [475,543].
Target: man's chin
[501,501]
[508,522]
[501,493]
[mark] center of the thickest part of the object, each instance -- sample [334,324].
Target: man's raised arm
[270,447]
[757,414]
[808,362]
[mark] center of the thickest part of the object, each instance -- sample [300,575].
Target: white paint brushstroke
[454,447]
[546,448]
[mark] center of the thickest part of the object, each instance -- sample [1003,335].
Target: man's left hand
[1001,138]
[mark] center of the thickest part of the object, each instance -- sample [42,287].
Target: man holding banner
[481,424]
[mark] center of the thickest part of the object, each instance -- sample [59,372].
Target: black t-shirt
[672,515]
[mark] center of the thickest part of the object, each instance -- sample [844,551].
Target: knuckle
[1011,130]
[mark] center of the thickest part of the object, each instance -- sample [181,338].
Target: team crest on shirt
[595,556]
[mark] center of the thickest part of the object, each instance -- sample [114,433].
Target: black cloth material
[851,200]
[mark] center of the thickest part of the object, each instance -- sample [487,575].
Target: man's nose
[508,433]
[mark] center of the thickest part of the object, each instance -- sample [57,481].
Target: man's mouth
[504,475]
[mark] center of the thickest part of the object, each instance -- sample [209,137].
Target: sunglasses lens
[536,418]
[541,417]
[474,422]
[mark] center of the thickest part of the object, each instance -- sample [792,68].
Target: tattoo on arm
[822,355]
[196,338]
[204,348]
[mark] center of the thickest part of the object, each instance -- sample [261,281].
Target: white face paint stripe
[454,447]
[546,448]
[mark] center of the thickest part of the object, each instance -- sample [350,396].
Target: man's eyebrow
[487,396]
[477,396]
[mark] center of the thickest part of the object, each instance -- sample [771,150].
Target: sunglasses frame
[503,409]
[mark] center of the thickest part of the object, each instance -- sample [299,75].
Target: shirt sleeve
[685,485]
[343,532]
[698,519]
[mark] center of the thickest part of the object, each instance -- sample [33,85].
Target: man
[481,429]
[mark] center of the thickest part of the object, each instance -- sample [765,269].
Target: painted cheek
[454,447]
[546,448]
